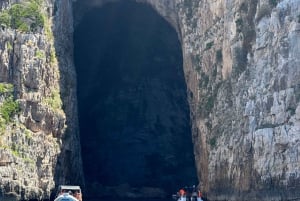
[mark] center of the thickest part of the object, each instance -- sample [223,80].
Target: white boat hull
[65,197]
[182,198]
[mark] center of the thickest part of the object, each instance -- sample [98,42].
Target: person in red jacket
[199,195]
[182,192]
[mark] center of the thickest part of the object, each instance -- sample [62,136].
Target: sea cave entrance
[133,110]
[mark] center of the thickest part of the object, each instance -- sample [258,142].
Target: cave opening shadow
[132,103]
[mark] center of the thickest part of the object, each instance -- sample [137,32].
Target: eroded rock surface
[241,64]
[35,132]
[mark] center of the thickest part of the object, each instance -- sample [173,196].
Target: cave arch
[132,102]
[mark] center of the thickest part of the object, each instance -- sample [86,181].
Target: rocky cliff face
[36,126]
[242,71]
[241,64]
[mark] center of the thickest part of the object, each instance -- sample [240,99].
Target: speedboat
[68,193]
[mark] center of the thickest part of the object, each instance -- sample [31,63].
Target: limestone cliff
[241,64]
[242,71]
[242,68]
[38,145]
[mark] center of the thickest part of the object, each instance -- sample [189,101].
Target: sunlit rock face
[33,120]
[133,111]
[241,67]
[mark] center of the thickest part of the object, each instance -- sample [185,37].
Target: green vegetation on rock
[6,88]
[54,100]
[9,107]
[40,54]
[9,46]
[53,58]
[24,17]
[5,19]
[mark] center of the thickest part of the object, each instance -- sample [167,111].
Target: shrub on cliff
[54,100]
[5,19]
[24,17]
[8,109]
[9,106]
[6,88]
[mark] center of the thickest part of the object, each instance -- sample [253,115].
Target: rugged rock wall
[242,71]
[241,62]
[245,87]
[38,146]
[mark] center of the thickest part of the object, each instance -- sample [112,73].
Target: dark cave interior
[132,102]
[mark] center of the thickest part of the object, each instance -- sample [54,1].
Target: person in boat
[194,194]
[199,195]
[69,193]
[78,195]
[182,195]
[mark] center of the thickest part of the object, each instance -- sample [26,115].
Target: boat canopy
[66,187]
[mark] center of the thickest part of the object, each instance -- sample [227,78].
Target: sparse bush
[8,109]
[28,134]
[54,101]
[2,125]
[47,28]
[6,88]
[9,46]
[40,54]
[4,19]
[53,58]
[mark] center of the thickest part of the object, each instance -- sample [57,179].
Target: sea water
[136,199]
